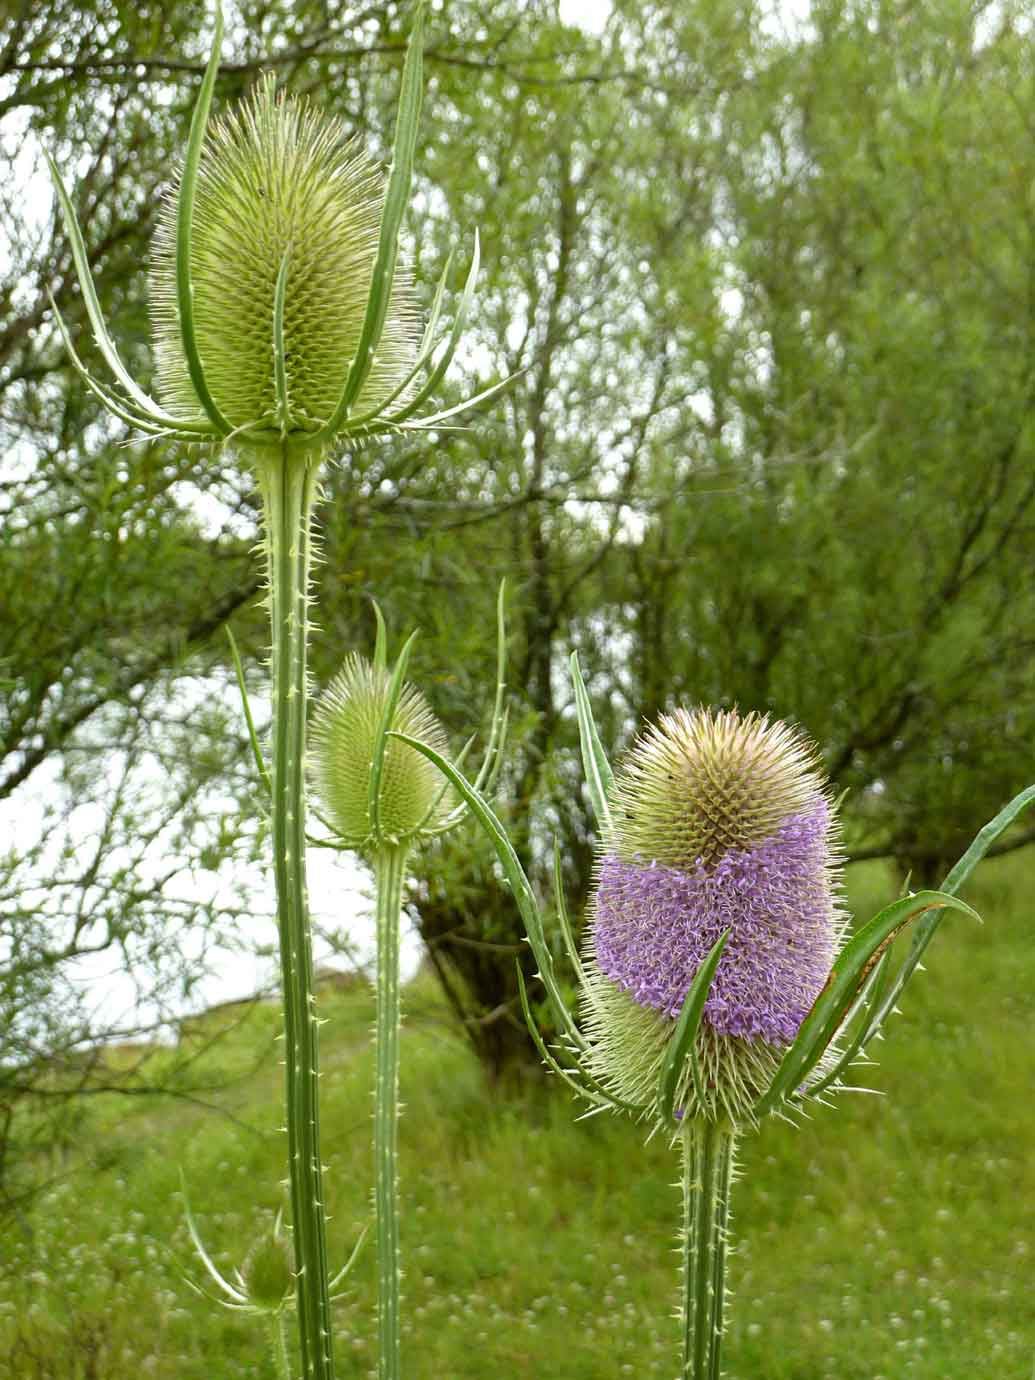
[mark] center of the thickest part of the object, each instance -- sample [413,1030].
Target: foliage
[771,291]
[936,1181]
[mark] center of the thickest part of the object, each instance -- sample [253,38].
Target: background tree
[771,292]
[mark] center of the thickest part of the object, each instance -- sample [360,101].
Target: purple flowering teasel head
[719,822]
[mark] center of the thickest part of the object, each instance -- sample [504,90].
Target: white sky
[588,14]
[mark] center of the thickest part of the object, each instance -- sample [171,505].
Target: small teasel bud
[719,822]
[278,179]
[268,1272]
[344,738]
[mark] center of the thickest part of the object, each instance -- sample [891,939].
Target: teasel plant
[285,331]
[718,981]
[380,799]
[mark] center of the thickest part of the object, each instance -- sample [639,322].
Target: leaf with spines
[849,973]
[684,1037]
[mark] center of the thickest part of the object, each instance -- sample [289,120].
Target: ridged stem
[278,1337]
[707,1148]
[288,490]
[389,871]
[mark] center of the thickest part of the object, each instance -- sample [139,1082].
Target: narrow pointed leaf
[563,919]
[426,352]
[395,686]
[396,198]
[430,423]
[184,221]
[344,1271]
[579,1089]
[156,423]
[445,358]
[595,765]
[203,1255]
[380,639]
[279,355]
[93,306]
[849,972]
[956,878]
[863,1009]
[497,728]
[584,1085]
[684,1037]
[453,816]
[518,882]
[253,737]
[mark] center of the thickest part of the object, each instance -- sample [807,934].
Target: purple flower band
[653,927]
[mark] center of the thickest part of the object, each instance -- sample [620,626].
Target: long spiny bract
[698,784]
[277,178]
[345,727]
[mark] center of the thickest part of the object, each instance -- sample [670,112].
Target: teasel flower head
[720,822]
[282,319]
[374,790]
[264,1286]
[717,983]
[376,749]
[280,193]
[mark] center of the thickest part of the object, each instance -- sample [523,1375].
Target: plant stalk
[707,1148]
[288,490]
[389,870]
[278,1337]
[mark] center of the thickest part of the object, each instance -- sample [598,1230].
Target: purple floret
[653,926]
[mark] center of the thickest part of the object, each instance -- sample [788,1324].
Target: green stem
[278,1336]
[288,491]
[707,1174]
[389,869]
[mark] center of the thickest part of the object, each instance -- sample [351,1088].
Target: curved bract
[771,1075]
[742,918]
[281,319]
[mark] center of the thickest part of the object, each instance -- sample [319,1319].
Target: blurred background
[767,276]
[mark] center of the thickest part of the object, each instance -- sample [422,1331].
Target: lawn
[891,1236]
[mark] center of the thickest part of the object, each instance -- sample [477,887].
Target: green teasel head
[374,790]
[284,238]
[281,316]
[268,1274]
[721,823]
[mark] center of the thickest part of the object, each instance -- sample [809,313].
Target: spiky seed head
[344,734]
[268,1272]
[700,783]
[278,177]
[720,822]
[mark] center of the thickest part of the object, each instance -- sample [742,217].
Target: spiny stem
[278,1336]
[288,490]
[707,1148]
[389,869]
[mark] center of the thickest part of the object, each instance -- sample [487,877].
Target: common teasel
[717,981]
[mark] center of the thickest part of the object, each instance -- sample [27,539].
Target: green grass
[889,1237]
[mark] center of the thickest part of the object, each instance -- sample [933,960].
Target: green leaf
[395,686]
[578,1088]
[864,1008]
[396,198]
[260,763]
[563,918]
[445,358]
[599,777]
[498,727]
[424,354]
[184,221]
[684,1037]
[381,639]
[279,356]
[956,878]
[516,879]
[847,976]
